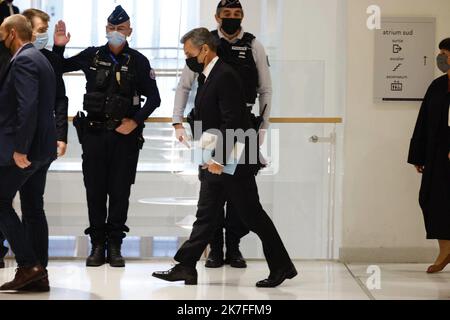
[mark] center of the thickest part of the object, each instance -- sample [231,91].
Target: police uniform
[248,58]
[114,88]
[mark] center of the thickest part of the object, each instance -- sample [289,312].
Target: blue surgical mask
[442,63]
[116,39]
[41,40]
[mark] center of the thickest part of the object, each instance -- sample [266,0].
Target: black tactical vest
[111,91]
[239,55]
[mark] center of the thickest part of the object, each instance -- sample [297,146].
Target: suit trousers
[243,193]
[28,238]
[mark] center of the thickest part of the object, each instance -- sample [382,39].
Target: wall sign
[405,58]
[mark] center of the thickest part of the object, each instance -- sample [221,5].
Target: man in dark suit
[220,109]
[5,57]
[28,141]
[7,9]
[39,22]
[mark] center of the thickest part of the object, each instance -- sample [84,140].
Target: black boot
[3,253]
[97,257]
[215,259]
[235,259]
[114,256]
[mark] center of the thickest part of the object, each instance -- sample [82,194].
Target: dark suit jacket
[4,11]
[62,103]
[27,104]
[220,105]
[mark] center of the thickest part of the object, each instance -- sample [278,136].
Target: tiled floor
[70,280]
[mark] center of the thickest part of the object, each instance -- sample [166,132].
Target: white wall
[382,219]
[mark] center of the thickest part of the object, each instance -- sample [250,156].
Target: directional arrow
[396,48]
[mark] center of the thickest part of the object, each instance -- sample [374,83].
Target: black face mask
[230,26]
[4,51]
[194,65]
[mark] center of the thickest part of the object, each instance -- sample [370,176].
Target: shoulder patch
[152,74]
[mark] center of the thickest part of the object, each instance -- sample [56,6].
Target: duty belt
[103,125]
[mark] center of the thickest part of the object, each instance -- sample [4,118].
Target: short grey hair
[200,37]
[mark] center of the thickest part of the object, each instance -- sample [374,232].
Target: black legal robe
[430,147]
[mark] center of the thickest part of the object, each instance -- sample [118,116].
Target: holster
[79,122]
[141,139]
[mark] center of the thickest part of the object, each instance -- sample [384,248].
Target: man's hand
[214,168]
[62,148]
[21,160]
[449,156]
[181,135]
[127,126]
[61,38]
[420,169]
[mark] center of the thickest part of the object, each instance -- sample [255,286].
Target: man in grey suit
[28,147]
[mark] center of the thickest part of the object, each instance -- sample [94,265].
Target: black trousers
[235,230]
[109,168]
[28,238]
[243,193]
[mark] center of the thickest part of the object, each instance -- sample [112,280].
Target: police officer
[111,133]
[247,56]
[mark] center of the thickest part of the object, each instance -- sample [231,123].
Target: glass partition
[295,191]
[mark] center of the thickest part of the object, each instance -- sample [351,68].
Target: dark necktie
[201,79]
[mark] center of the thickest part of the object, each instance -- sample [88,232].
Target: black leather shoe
[3,253]
[236,260]
[114,256]
[178,273]
[278,278]
[215,259]
[97,257]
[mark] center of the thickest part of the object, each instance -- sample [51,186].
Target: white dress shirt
[207,71]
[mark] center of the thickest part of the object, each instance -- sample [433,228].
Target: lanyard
[116,63]
[114,59]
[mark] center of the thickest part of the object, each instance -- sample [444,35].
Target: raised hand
[61,38]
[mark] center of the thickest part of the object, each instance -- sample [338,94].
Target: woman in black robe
[430,154]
